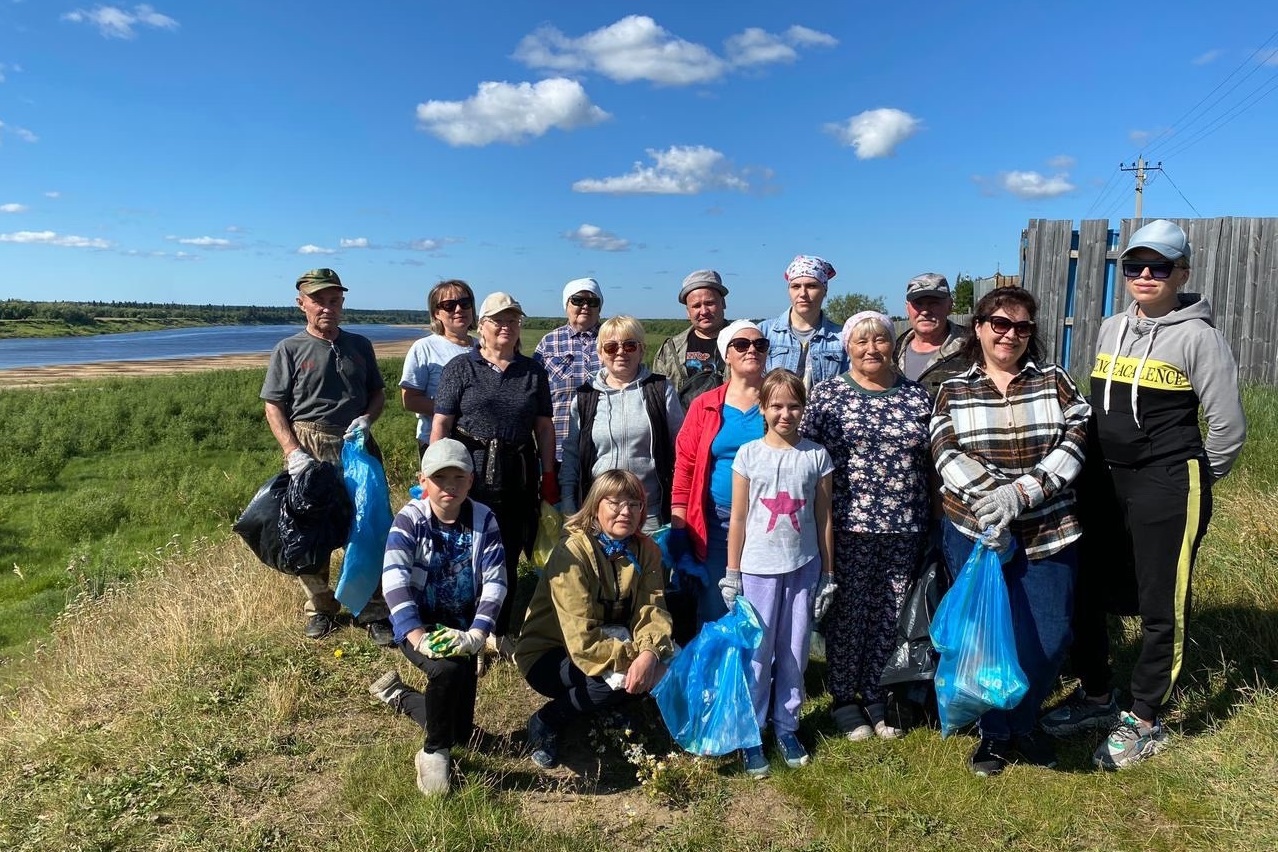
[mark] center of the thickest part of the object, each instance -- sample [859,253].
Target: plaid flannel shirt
[1035,436]
[570,358]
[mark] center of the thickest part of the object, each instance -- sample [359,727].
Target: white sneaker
[886,731]
[432,772]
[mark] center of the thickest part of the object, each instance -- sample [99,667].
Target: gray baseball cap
[1164,237]
[927,284]
[699,279]
[445,453]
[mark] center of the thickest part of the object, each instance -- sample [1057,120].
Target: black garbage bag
[913,658]
[259,523]
[315,519]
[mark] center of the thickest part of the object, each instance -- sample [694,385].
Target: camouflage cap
[927,284]
[315,280]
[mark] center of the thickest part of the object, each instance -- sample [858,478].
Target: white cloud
[203,242]
[1140,137]
[875,132]
[1031,185]
[114,22]
[3,67]
[314,249]
[21,132]
[50,238]
[638,48]
[1061,162]
[596,238]
[502,112]
[353,242]
[13,207]
[1207,58]
[53,193]
[426,244]
[678,170]
[1269,57]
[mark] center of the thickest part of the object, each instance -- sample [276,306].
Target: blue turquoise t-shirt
[739,428]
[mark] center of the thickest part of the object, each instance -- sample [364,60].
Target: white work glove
[359,424]
[998,539]
[999,507]
[615,680]
[730,587]
[451,642]
[824,596]
[298,461]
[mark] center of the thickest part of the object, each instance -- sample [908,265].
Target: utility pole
[1140,167]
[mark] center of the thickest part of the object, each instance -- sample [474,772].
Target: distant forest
[44,318]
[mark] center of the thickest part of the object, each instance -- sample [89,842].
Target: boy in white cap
[570,353]
[444,579]
[1161,365]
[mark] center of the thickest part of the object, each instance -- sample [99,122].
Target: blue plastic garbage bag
[704,696]
[972,630]
[366,546]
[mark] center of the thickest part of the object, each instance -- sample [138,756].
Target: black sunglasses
[1160,270]
[614,346]
[1002,325]
[584,301]
[741,344]
[450,305]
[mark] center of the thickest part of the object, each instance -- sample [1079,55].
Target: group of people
[804,467]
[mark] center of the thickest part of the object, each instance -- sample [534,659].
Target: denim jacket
[826,356]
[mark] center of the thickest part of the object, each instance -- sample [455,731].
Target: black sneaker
[1036,748]
[381,633]
[989,758]
[319,625]
[543,743]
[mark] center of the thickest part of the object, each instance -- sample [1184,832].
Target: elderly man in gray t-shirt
[322,384]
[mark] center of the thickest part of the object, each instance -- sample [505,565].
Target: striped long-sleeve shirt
[1034,435]
[449,574]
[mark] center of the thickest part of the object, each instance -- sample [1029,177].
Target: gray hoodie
[1151,376]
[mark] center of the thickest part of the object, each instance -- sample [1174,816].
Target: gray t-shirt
[317,381]
[781,532]
[916,362]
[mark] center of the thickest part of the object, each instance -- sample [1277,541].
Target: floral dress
[879,443]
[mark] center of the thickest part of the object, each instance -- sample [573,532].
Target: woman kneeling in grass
[597,630]
[444,578]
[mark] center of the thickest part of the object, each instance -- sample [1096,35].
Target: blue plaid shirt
[570,358]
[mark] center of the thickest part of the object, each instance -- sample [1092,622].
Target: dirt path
[34,377]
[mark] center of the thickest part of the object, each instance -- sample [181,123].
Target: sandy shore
[34,377]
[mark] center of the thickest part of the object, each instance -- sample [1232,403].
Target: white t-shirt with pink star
[781,531]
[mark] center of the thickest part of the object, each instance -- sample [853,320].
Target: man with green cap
[322,385]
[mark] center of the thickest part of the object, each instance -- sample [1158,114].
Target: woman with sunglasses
[452,316]
[717,424]
[1008,439]
[873,421]
[597,631]
[625,418]
[1159,366]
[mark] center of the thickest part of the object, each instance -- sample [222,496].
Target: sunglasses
[450,305]
[1002,325]
[1159,270]
[741,344]
[612,347]
[584,301]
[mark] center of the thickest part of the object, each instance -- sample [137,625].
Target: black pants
[1141,535]
[446,708]
[572,692]
[513,512]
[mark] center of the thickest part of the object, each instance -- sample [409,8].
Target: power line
[1101,192]
[1254,97]
[1172,129]
[1182,195]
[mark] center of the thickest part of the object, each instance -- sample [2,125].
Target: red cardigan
[691,490]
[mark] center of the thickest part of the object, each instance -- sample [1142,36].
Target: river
[172,343]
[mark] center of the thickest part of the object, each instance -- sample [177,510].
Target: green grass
[180,709]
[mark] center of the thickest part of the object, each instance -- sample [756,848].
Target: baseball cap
[1166,238]
[927,284]
[446,452]
[497,302]
[318,279]
[579,285]
[697,280]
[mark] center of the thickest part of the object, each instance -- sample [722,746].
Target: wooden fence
[1075,277]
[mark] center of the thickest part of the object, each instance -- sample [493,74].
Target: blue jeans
[710,603]
[1042,597]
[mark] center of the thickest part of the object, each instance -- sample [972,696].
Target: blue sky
[210,152]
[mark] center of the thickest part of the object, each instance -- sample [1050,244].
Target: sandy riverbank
[33,377]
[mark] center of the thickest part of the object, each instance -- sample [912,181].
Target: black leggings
[446,708]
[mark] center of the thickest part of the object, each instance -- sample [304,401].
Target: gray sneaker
[1130,742]
[1076,714]
[388,689]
